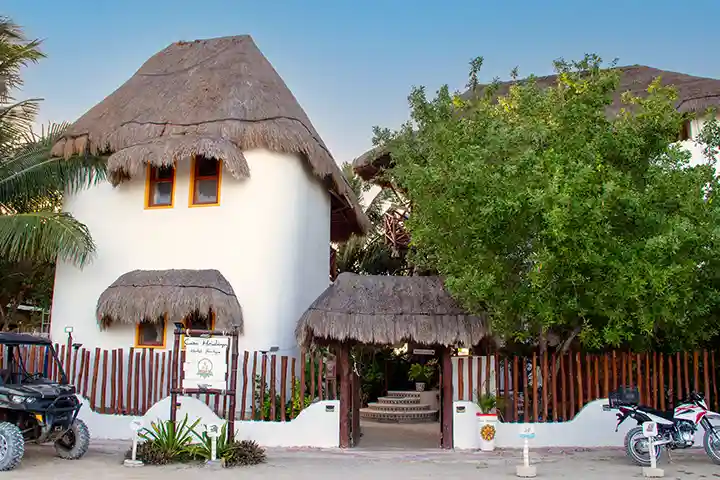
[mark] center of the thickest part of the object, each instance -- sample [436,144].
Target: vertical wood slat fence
[566,383]
[130,381]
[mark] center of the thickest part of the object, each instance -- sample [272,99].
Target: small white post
[527,431]
[650,431]
[135,426]
[213,432]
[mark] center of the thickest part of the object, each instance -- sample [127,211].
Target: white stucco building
[221,204]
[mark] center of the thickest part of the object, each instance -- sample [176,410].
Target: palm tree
[372,254]
[32,183]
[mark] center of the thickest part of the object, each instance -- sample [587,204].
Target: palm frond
[31,179]
[15,124]
[45,237]
[16,51]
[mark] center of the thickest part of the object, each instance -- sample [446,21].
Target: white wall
[592,427]
[269,237]
[696,149]
[316,426]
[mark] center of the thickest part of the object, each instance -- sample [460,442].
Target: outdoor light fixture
[68,329]
[76,345]
[179,325]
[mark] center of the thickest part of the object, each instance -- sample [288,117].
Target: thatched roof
[149,294]
[695,94]
[378,309]
[217,98]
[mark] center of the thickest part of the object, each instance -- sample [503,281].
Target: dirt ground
[105,461]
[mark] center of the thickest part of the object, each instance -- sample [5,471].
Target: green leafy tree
[32,183]
[557,218]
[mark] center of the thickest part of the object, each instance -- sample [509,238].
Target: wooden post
[470,378]
[516,390]
[461,379]
[536,413]
[547,383]
[253,407]
[345,393]
[579,381]
[243,408]
[173,374]
[273,381]
[563,389]
[233,384]
[446,391]
[293,389]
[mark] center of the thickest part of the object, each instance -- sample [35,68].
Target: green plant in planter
[203,449]
[487,402]
[168,441]
[242,453]
[422,373]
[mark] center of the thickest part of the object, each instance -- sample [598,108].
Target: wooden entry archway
[350,398]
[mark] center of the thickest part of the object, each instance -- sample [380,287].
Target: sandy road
[103,462]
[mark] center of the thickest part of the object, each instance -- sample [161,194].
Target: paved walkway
[104,462]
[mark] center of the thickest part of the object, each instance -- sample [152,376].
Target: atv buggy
[34,408]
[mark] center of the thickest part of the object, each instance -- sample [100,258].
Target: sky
[350,64]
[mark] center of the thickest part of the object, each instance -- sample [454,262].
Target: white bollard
[527,431]
[650,432]
[135,426]
[213,432]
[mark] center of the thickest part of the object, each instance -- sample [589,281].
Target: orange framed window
[150,334]
[160,187]
[205,180]
[197,321]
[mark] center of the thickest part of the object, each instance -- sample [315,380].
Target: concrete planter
[487,429]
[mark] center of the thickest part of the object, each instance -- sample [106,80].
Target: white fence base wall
[316,426]
[591,428]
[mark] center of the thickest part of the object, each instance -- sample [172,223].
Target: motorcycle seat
[667,415]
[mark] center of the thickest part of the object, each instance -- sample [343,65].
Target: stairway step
[398,407]
[406,394]
[399,417]
[400,400]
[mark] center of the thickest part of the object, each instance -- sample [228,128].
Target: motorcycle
[676,428]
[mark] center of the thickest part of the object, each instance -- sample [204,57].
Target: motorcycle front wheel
[636,447]
[712,446]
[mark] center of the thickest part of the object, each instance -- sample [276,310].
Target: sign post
[650,431]
[527,432]
[135,426]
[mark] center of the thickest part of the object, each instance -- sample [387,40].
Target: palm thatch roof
[387,310]
[216,98]
[150,294]
[695,94]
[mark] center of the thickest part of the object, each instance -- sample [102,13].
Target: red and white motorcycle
[676,428]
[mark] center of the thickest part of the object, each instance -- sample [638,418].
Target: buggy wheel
[75,442]
[637,447]
[12,446]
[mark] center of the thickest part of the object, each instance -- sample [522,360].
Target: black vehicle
[676,427]
[34,408]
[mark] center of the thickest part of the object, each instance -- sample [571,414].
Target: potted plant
[487,420]
[422,374]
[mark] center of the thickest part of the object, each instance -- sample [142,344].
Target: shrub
[243,453]
[203,450]
[168,441]
[151,453]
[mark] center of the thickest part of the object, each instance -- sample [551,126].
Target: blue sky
[352,64]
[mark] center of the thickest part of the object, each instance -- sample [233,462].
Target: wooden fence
[130,381]
[566,383]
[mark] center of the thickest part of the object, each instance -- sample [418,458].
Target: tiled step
[407,394]
[398,407]
[398,417]
[399,400]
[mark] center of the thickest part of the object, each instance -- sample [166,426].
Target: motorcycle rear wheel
[636,447]
[712,446]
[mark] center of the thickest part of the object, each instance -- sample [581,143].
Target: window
[205,182]
[685,131]
[151,334]
[160,187]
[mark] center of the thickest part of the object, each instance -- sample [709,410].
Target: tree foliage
[557,218]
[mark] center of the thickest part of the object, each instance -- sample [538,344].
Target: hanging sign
[423,351]
[206,362]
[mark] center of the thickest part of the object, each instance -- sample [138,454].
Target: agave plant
[203,449]
[173,439]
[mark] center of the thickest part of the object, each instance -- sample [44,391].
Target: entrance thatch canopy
[217,98]
[387,310]
[151,294]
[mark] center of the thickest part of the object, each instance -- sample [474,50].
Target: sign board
[213,429]
[650,429]
[527,431]
[206,362]
[423,351]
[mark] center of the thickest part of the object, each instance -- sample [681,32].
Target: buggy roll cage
[13,358]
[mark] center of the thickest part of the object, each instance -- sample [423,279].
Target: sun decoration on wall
[487,432]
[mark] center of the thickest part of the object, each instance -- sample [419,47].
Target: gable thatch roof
[218,98]
[150,294]
[695,94]
[387,310]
